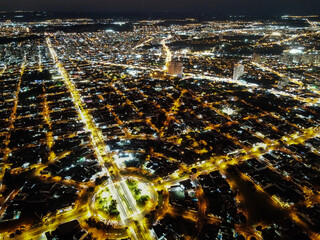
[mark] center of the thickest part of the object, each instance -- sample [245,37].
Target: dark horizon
[21,16]
[226,7]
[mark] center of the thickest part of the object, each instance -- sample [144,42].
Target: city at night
[169,120]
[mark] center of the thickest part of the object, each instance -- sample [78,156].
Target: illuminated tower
[256,57]
[221,37]
[283,82]
[238,71]
[175,68]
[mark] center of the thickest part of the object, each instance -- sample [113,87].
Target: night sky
[253,7]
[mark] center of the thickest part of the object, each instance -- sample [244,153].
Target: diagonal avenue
[125,207]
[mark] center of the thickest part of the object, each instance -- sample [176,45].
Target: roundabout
[105,207]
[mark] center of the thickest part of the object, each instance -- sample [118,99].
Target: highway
[143,44]
[167,50]
[254,86]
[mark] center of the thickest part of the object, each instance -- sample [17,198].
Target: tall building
[238,71]
[175,68]
[221,37]
[283,82]
[256,57]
